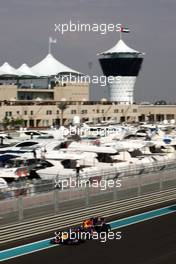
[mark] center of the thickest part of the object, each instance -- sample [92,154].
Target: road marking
[142,217]
[45,244]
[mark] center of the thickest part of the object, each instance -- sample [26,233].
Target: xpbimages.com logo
[83,79]
[86,27]
[87,131]
[85,235]
[91,183]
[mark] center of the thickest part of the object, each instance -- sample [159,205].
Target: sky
[25,26]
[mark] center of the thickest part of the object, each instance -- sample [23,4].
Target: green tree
[12,122]
[62,107]
[19,122]
[6,122]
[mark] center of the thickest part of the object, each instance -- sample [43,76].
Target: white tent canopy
[2,72]
[24,70]
[8,70]
[120,47]
[49,66]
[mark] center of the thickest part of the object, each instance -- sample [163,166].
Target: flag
[52,40]
[124,30]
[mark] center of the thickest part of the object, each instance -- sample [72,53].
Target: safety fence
[37,186]
[61,220]
[39,202]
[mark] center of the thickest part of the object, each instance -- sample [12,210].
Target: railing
[60,221]
[34,187]
[44,199]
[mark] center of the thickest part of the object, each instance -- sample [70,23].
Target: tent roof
[2,72]
[49,66]
[8,70]
[24,70]
[120,47]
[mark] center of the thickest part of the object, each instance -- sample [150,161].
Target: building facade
[44,114]
[68,91]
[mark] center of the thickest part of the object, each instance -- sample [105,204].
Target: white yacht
[20,147]
[100,161]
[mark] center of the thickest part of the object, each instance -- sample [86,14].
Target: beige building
[8,92]
[72,92]
[69,91]
[39,107]
[47,113]
[157,113]
[41,114]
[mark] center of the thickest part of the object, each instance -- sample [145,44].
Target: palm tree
[62,107]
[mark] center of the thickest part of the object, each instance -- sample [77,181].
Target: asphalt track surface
[149,242]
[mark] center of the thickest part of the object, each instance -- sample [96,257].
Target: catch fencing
[37,199]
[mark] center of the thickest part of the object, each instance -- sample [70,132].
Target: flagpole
[49,46]
[120,34]
[120,31]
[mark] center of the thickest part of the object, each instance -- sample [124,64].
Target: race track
[148,242]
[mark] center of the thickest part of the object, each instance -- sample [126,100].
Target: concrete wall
[72,92]
[8,92]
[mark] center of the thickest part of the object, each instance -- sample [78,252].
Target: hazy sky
[25,26]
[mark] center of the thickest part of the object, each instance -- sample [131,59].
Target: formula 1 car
[97,224]
[80,234]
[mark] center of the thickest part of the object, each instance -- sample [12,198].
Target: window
[25,112]
[170,116]
[116,110]
[134,110]
[32,112]
[57,112]
[73,112]
[18,112]
[45,163]
[49,112]
[32,161]
[34,133]
[102,111]
[83,111]
[26,144]
[8,114]
[98,111]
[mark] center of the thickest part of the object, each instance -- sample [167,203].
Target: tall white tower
[124,63]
